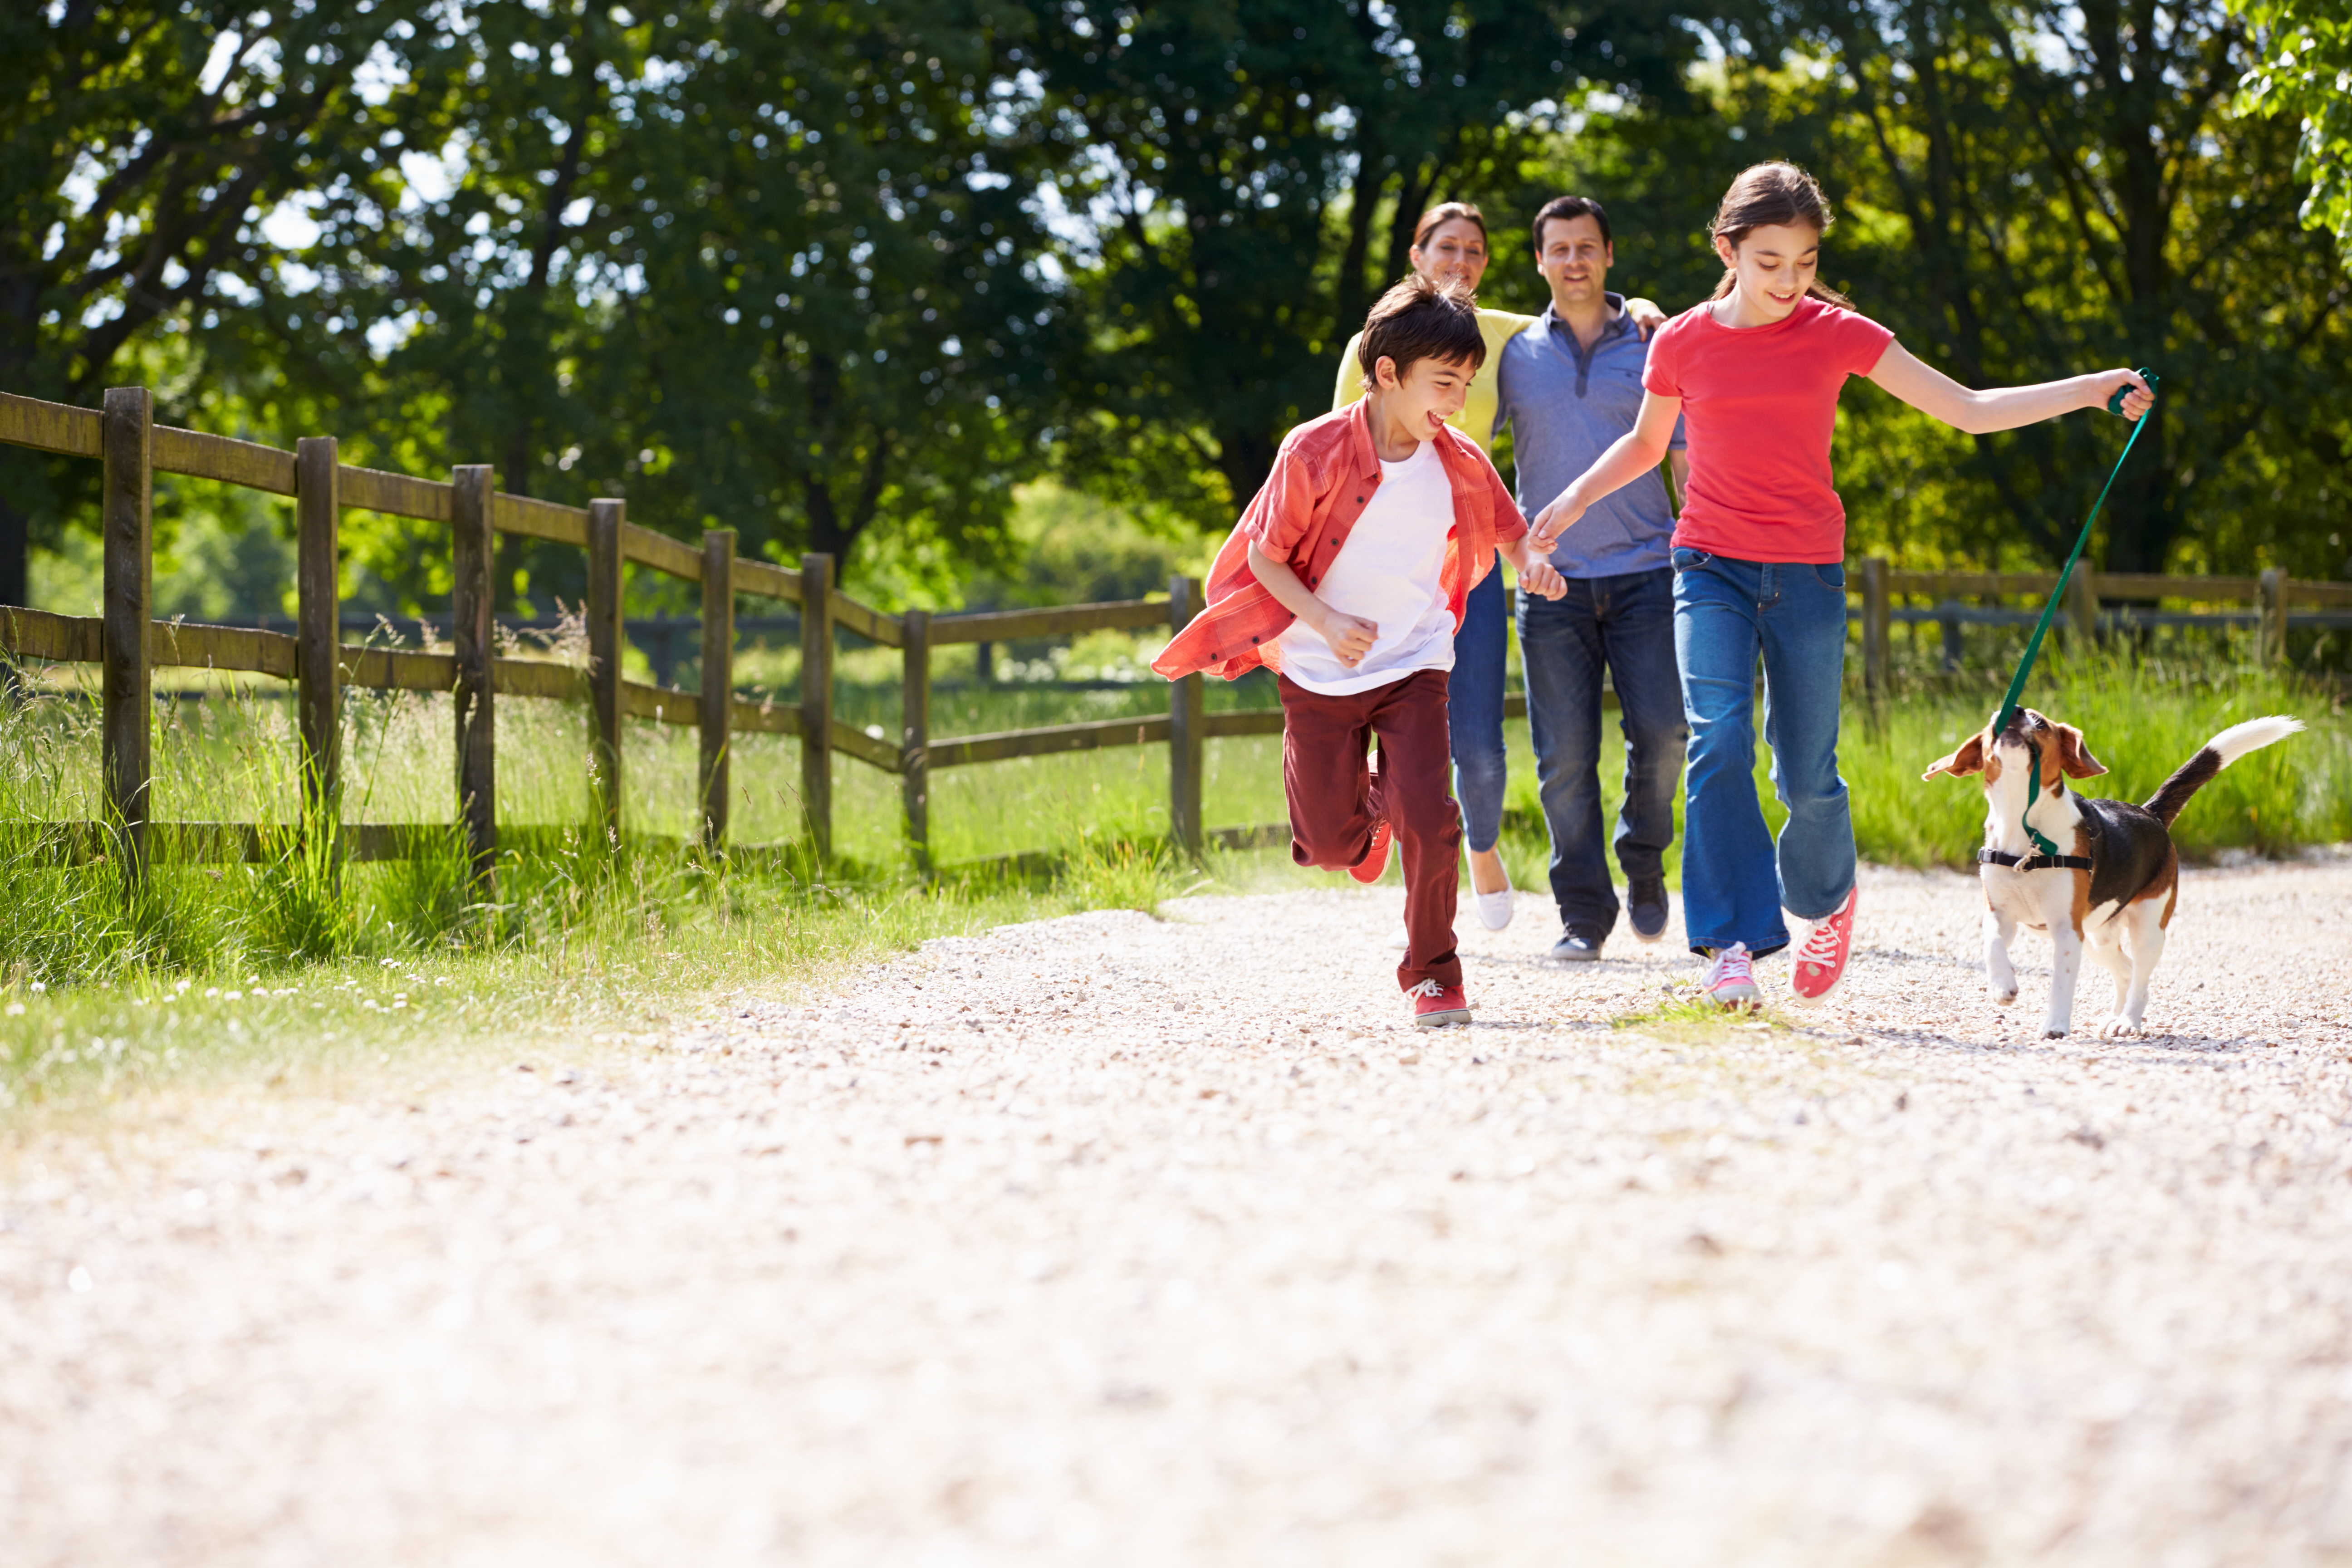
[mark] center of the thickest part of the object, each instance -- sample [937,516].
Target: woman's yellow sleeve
[1352,377]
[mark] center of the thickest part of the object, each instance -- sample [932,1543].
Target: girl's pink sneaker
[1821,963]
[1730,980]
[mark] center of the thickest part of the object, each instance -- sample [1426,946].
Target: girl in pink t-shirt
[1759,551]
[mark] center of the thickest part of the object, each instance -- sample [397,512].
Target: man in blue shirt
[1570,385]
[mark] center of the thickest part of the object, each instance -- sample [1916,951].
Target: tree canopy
[841,274]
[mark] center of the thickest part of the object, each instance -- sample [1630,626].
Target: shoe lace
[1823,945]
[1730,964]
[1429,988]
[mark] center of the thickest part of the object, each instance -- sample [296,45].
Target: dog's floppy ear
[2074,758]
[1968,759]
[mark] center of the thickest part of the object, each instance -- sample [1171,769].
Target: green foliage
[1253,174]
[2026,193]
[753,267]
[845,276]
[140,145]
[2303,68]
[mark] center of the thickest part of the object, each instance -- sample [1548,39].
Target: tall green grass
[2141,718]
[579,929]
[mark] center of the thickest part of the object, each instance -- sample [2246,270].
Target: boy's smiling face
[1430,390]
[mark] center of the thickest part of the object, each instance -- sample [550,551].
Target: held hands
[2138,396]
[1554,521]
[1539,577]
[1350,636]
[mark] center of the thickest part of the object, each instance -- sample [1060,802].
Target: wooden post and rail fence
[128,644]
[2096,603]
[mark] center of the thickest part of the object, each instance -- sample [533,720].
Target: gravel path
[1115,1240]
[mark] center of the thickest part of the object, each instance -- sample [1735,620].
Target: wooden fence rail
[2095,602]
[129,643]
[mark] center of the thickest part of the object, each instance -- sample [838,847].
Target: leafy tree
[2029,191]
[2303,67]
[1249,176]
[765,268]
[143,142]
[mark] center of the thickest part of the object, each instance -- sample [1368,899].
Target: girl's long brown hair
[1773,193]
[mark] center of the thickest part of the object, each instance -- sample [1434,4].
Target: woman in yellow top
[1450,242]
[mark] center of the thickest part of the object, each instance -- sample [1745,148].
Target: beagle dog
[2115,878]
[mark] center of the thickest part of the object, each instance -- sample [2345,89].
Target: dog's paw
[2053,1031]
[2001,998]
[2120,1027]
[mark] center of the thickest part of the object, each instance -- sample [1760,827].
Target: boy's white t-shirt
[1386,573]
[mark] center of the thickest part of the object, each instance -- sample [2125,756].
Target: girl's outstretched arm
[1930,391]
[1637,452]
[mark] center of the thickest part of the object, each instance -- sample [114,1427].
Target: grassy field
[279,965]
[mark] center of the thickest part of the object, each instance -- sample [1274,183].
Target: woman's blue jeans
[1727,614]
[1473,714]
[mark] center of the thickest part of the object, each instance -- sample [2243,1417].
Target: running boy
[1347,576]
[1759,553]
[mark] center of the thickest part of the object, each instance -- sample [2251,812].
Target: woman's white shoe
[1494,909]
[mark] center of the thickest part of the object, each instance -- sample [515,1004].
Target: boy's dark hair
[1417,318]
[1571,207]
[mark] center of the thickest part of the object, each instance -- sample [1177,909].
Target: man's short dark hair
[1571,207]
[1421,320]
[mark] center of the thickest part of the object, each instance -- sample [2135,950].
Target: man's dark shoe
[1645,905]
[1578,944]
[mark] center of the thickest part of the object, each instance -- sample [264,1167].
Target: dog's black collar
[2034,862]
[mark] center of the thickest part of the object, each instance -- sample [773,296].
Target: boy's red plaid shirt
[1323,478]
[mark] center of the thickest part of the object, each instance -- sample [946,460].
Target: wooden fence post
[817,701]
[606,520]
[126,507]
[2083,602]
[1184,729]
[473,592]
[2273,600]
[915,737]
[718,677]
[1877,618]
[318,631]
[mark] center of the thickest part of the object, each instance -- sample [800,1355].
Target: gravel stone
[1116,1240]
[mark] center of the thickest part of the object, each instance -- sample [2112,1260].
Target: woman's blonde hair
[1769,194]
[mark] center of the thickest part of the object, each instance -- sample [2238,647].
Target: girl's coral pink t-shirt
[1759,406]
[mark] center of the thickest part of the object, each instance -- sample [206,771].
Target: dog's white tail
[2213,756]
[2252,736]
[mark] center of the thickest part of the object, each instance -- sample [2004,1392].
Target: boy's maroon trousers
[1335,800]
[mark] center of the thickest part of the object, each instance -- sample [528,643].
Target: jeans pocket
[1832,576]
[1686,560]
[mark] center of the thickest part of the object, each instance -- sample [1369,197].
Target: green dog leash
[2050,610]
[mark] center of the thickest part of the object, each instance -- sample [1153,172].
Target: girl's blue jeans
[1473,714]
[1727,613]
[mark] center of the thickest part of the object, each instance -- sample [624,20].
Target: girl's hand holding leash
[2136,396]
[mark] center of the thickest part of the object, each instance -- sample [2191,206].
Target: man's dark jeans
[1626,623]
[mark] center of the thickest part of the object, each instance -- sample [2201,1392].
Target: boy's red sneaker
[1821,963]
[1367,871]
[1434,1006]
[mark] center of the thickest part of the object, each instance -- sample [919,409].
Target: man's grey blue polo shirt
[1565,406]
